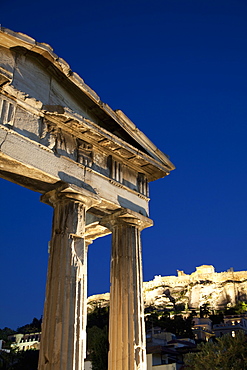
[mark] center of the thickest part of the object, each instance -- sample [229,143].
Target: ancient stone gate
[93,166]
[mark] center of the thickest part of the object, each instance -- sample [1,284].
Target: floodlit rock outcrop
[191,291]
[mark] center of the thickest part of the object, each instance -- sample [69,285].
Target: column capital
[126,216]
[70,192]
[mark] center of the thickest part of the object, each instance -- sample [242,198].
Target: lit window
[233,333]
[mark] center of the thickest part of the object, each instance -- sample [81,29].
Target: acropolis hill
[219,290]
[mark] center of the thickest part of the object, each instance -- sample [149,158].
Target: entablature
[154,163]
[34,166]
[59,130]
[81,140]
[107,142]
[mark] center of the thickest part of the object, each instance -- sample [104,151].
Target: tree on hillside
[205,310]
[97,347]
[4,333]
[181,327]
[152,319]
[33,327]
[226,353]
[98,317]
[97,337]
[239,308]
[19,360]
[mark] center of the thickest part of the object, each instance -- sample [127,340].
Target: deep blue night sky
[177,69]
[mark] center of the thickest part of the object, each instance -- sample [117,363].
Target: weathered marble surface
[90,163]
[127,338]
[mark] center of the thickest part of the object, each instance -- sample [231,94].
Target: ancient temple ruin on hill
[190,291]
[218,289]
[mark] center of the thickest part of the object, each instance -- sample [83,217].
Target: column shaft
[64,323]
[126,332]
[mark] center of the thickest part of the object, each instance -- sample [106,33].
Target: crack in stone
[3,141]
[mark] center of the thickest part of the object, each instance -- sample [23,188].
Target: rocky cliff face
[204,285]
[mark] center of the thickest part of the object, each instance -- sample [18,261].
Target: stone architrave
[63,340]
[127,330]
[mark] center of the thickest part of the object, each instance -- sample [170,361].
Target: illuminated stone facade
[93,166]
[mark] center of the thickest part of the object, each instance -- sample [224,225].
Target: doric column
[127,342]
[63,341]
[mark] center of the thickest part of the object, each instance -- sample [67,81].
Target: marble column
[127,341]
[63,341]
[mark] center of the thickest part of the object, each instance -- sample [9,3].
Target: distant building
[204,269]
[24,342]
[2,347]
[231,325]
[202,328]
[165,351]
[87,365]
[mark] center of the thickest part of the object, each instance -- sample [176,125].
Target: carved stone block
[84,153]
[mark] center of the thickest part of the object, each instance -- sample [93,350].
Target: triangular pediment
[68,90]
